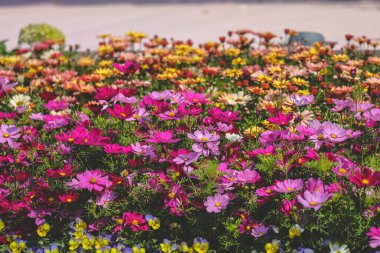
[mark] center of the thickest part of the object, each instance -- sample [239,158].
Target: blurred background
[201,20]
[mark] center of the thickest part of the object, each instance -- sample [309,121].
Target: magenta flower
[186,158]
[56,105]
[135,221]
[129,67]
[288,185]
[374,234]
[313,199]
[162,137]
[90,180]
[8,134]
[216,203]
[281,119]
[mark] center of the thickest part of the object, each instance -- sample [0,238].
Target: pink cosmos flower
[165,95]
[105,198]
[205,136]
[121,112]
[90,180]
[247,177]
[374,234]
[333,132]
[288,185]
[216,203]
[162,137]
[313,199]
[129,67]
[135,221]
[56,105]
[281,119]
[144,150]
[8,133]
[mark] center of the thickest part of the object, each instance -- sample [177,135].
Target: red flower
[365,177]
[135,221]
[121,112]
[66,171]
[68,198]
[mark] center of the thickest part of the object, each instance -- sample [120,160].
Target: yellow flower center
[171,114]
[93,180]
[312,203]
[69,200]
[333,136]
[204,139]
[137,117]
[268,191]
[217,204]
[342,170]
[6,135]
[71,139]
[365,181]
[135,222]
[320,137]
[289,189]
[172,195]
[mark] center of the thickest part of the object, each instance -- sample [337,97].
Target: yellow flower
[303,92]
[300,82]
[281,84]
[295,231]
[154,223]
[233,73]
[73,244]
[239,61]
[43,230]
[233,52]
[340,58]
[2,224]
[87,243]
[136,249]
[271,247]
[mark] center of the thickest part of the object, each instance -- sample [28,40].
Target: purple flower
[8,134]
[372,114]
[340,105]
[301,100]
[216,203]
[259,231]
[206,148]
[288,185]
[313,199]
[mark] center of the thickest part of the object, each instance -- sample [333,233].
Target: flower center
[204,139]
[171,114]
[62,174]
[312,203]
[6,135]
[320,137]
[342,171]
[333,136]
[172,195]
[217,204]
[365,181]
[137,117]
[268,191]
[135,222]
[69,200]
[71,139]
[93,180]
[289,189]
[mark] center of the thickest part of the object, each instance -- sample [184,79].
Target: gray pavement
[201,21]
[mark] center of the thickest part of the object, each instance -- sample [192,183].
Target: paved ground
[81,21]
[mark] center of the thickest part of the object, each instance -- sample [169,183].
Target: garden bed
[156,145]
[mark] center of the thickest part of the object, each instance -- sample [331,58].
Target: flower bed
[155,145]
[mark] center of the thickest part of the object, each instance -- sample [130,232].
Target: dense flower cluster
[256,146]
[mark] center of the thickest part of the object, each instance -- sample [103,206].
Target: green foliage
[34,33]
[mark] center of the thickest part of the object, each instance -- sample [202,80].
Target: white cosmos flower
[233,137]
[335,248]
[19,100]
